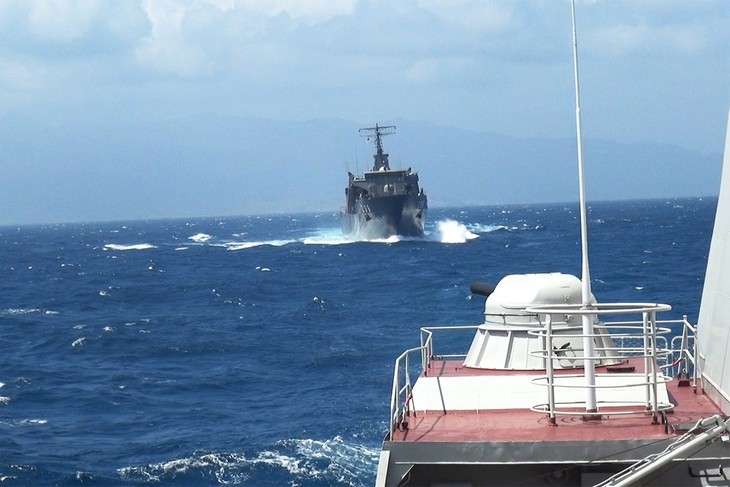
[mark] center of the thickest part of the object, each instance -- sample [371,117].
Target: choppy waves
[444,231]
[259,351]
[447,231]
[288,462]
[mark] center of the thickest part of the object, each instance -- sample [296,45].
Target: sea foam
[451,231]
[300,458]
[200,237]
[143,246]
[249,245]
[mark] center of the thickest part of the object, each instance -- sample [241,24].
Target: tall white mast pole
[587,320]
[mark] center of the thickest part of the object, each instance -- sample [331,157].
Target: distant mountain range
[214,166]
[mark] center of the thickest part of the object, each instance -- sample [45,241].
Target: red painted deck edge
[527,426]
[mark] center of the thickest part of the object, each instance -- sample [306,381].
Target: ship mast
[587,320]
[381,158]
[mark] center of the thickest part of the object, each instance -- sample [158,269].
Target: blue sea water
[258,351]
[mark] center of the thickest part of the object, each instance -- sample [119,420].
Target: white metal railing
[629,337]
[684,355]
[646,335]
[401,400]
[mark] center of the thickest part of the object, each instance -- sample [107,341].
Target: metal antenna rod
[587,320]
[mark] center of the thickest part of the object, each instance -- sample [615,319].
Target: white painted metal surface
[714,319]
[516,292]
[482,393]
[508,341]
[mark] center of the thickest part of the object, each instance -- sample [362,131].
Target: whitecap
[249,245]
[225,468]
[200,237]
[391,239]
[20,311]
[142,246]
[33,421]
[328,236]
[450,231]
[4,400]
[301,458]
[84,476]
[481,228]
[78,342]
[346,460]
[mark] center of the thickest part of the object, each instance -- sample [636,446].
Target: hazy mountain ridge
[216,165]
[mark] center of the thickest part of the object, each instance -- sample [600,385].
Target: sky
[651,70]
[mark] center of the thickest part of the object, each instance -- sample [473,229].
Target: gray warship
[383,202]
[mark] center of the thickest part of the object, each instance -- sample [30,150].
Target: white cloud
[25,76]
[320,58]
[62,20]
[624,38]
[310,12]
[67,28]
[472,14]
[194,39]
[166,48]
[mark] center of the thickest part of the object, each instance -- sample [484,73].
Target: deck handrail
[687,353]
[401,404]
[399,407]
[647,333]
[677,360]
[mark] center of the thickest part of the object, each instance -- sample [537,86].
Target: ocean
[258,350]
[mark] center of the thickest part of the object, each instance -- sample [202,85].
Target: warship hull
[383,217]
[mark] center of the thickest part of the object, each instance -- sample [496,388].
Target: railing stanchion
[647,359]
[654,365]
[549,367]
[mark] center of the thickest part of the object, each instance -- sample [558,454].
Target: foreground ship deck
[559,389]
[500,419]
[460,425]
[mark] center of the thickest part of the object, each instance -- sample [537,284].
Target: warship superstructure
[383,202]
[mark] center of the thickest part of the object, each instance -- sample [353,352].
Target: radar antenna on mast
[381,159]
